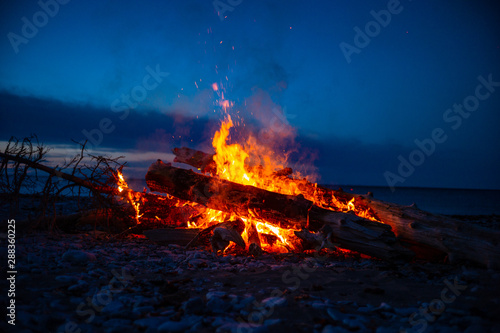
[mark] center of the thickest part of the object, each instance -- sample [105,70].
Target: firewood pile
[354,222]
[228,204]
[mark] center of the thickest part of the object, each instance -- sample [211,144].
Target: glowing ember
[134,201]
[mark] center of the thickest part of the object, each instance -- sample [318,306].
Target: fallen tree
[168,210]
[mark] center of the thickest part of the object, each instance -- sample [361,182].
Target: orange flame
[234,163]
[134,202]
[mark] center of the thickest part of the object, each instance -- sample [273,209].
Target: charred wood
[350,231]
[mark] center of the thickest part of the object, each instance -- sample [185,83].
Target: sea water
[436,200]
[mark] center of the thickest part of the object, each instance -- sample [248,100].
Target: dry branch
[50,171]
[167,208]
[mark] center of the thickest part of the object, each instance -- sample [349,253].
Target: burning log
[225,233]
[430,236]
[317,240]
[200,160]
[286,211]
[219,235]
[205,162]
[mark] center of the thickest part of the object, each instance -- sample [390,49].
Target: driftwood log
[430,236]
[431,233]
[350,231]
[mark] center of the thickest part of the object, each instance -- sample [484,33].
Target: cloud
[145,136]
[58,122]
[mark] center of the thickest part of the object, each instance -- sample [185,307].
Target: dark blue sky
[359,115]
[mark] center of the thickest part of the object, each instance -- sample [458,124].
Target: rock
[335,314]
[168,313]
[333,329]
[354,322]
[119,329]
[150,323]
[272,322]
[77,257]
[141,310]
[114,309]
[457,312]
[117,322]
[220,321]
[405,312]
[179,326]
[218,305]
[198,263]
[454,329]
[318,305]
[102,297]
[194,305]
[197,327]
[67,279]
[388,315]
[272,302]
[241,327]
[219,294]
[97,273]
[79,288]
[366,309]
[384,329]
[384,307]
[32,321]
[56,305]
[71,326]
[246,303]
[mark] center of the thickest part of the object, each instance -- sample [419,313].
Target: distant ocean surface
[436,200]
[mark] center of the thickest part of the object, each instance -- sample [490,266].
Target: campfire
[243,225]
[244,199]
